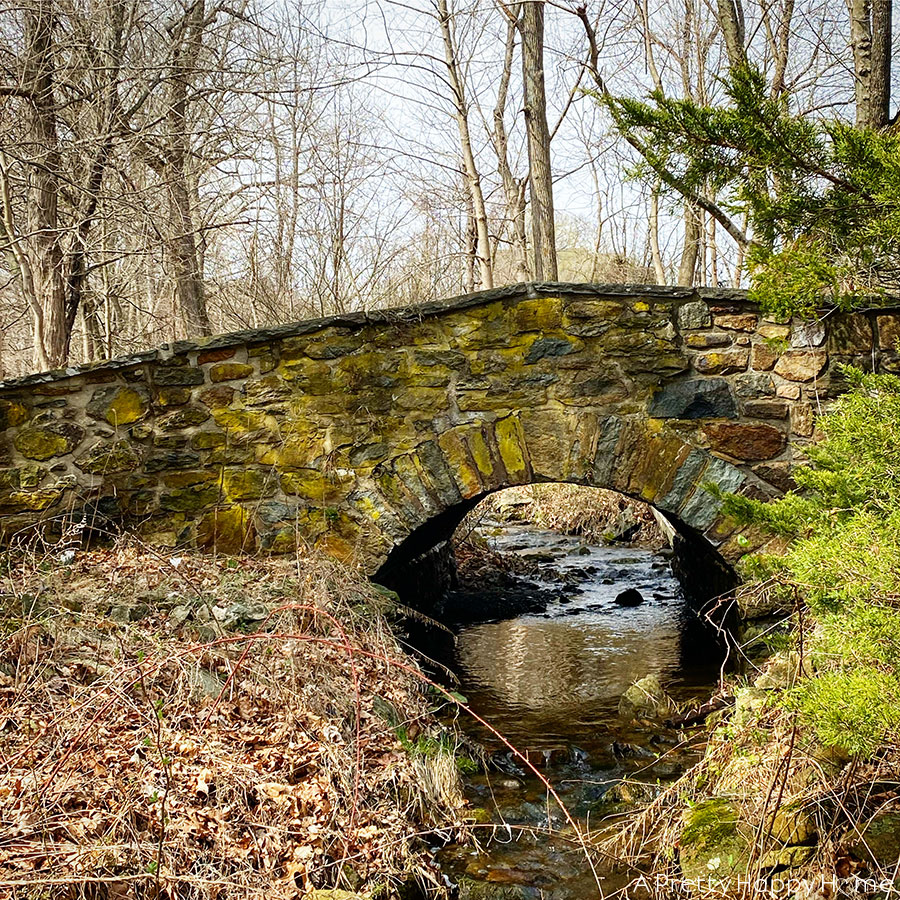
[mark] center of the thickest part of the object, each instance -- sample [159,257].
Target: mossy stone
[119,405]
[248,484]
[713,841]
[12,414]
[109,459]
[47,441]
[184,418]
[229,371]
[33,500]
[173,396]
[228,530]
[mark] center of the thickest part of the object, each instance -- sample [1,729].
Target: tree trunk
[658,268]
[470,168]
[513,188]
[730,14]
[870,41]
[44,248]
[882,36]
[690,252]
[182,243]
[531,27]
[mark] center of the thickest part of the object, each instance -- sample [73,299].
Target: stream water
[550,682]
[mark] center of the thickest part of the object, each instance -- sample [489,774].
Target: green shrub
[844,561]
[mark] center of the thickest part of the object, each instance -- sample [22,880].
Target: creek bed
[550,681]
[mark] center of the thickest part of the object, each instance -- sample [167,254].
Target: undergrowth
[195,728]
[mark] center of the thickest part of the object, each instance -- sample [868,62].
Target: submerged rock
[646,699]
[630,597]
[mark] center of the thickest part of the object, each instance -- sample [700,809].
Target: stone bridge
[370,435]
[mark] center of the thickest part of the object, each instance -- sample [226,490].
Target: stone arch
[415,500]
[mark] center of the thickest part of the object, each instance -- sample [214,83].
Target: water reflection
[557,677]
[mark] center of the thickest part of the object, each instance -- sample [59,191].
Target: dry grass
[209,750]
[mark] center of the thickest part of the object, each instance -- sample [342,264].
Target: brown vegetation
[194,727]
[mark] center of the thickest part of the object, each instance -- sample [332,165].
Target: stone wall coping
[356,320]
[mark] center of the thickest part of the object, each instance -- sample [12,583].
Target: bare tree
[540,175]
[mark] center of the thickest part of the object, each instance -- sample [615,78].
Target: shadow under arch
[641,458]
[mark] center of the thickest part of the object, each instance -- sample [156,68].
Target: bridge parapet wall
[355,432]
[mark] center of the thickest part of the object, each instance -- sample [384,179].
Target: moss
[112,458]
[40,443]
[184,418]
[509,442]
[34,500]
[173,396]
[229,371]
[208,440]
[12,414]
[119,405]
[228,530]
[712,842]
[248,484]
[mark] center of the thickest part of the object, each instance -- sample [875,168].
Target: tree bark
[182,243]
[513,188]
[870,41]
[882,34]
[543,232]
[44,246]
[658,268]
[730,14]
[470,168]
[690,252]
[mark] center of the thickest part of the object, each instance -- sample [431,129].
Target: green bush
[844,561]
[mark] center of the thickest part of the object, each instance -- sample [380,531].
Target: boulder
[646,699]
[714,843]
[630,597]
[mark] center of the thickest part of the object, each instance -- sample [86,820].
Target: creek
[550,680]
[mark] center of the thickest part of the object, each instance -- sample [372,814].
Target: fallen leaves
[216,762]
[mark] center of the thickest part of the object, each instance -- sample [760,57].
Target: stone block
[185,376]
[705,339]
[108,459]
[773,330]
[229,371]
[788,391]
[745,442]
[802,419]
[801,365]
[208,356]
[889,332]
[762,356]
[48,440]
[737,321]
[723,362]
[184,418]
[807,334]
[766,409]
[119,405]
[12,413]
[850,333]
[694,398]
[694,315]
